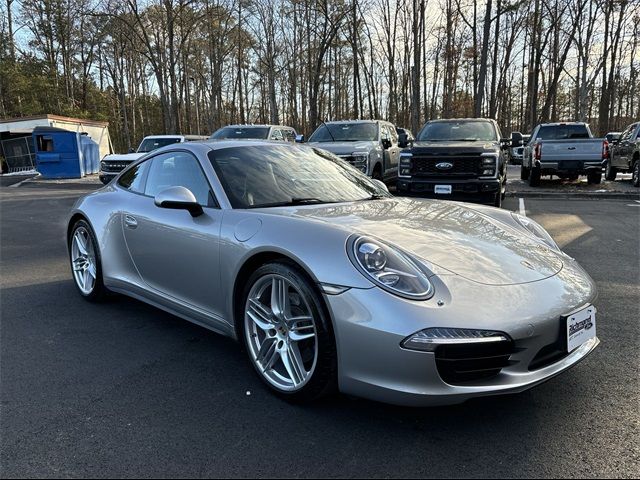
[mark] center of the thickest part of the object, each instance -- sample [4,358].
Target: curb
[577,195]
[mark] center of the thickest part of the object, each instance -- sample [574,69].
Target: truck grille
[114,166]
[461,166]
[460,364]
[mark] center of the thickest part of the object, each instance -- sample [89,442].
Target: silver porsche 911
[329,281]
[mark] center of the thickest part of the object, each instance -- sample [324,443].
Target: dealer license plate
[581,326]
[443,189]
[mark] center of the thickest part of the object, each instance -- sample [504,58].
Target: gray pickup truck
[566,150]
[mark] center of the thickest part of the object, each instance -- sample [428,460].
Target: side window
[289,135]
[394,134]
[384,133]
[45,143]
[178,169]
[638,131]
[276,134]
[133,179]
[626,135]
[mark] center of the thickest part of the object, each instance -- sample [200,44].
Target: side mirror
[403,140]
[299,138]
[386,143]
[380,184]
[516,139]
[179,198]
[132,150]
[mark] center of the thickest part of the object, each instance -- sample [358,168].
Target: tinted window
[151,144]
[276,134]
[133,179]
[346,132]
[460,131]
[274,175]
[175,169]
[563,132]
[256,133]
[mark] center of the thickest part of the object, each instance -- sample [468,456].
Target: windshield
[269,176]
[346,132]
[247,133]
[151,144]
[563,132]
[460,131]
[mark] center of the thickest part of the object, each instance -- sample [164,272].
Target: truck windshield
[458,131]
[246,133]
[346,132]
[563,132]
[151,144]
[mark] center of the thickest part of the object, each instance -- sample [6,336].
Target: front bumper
[370,324]
[483,189]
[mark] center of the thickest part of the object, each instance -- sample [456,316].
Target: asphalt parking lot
[123,389]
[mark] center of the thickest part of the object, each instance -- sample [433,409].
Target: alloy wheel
[83,260]
[281,332]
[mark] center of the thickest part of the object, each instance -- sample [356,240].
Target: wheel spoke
[268,353]
[260,314]
[293,364]
[92,270]
[279,298]
[81,243]
[301,328]
[86,279]
[78,264]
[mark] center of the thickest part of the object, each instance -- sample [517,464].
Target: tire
[635,173]
[86,262]
[594,178]
[534,177]
[524,173]
[377,173]
[299,370]
[610,172]
[497,200]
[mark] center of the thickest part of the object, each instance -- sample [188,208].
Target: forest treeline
[191,66]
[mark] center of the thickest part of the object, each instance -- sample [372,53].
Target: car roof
[254,125]
[438,120]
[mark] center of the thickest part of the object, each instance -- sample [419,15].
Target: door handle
[572,148]
[130,221]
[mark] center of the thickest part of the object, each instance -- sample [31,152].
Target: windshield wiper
[293,201]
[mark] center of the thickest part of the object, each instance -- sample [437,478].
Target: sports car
[329,281]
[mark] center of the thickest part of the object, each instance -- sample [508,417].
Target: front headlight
[389,268]
[535,229]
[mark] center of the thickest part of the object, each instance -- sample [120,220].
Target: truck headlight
[389,268]
[360,160]
[404,166]
[489,164]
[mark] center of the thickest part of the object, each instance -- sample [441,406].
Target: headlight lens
[389,268]
[535,229]
[404,167]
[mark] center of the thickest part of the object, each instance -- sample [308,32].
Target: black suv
[624,155]
[462,159]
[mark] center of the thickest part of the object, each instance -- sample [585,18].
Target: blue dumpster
[64,154]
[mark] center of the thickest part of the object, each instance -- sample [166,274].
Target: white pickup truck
[566,150]
[112,165]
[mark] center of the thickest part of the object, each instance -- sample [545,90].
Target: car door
[176,255]
[394,153]
[623,148]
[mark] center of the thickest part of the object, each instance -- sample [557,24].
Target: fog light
[488,171]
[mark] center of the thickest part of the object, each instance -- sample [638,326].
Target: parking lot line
[523,211]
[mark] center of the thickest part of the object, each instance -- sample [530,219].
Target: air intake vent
[461,364]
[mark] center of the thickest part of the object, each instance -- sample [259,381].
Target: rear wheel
[524,173]
[86,263]
[288,336]
[610,172]
[534,177]
[594,177]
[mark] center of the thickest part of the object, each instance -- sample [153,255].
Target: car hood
[453,236]
[344,148]
[124,157]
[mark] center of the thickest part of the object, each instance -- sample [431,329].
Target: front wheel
[534,177]
[288,336]
[86,262]
[635,177]
[524,173]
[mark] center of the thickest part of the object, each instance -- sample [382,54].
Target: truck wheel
[635,177]
[610,172]
[534,177]
[377,173]
[594,177]
[524,173]
[497,200]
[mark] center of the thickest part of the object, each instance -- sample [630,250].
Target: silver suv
[277,133]
[371,146]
